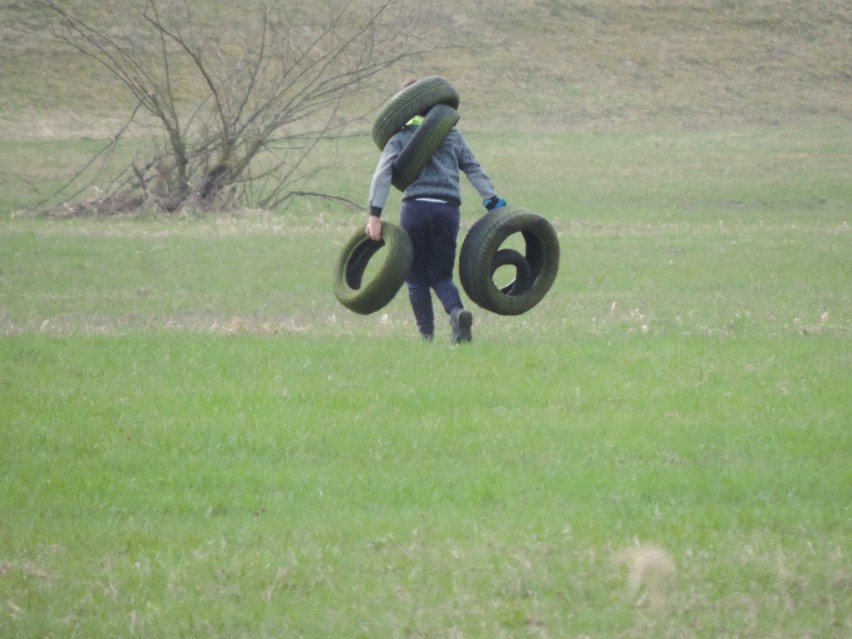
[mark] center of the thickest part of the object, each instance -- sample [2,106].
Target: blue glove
[493,203]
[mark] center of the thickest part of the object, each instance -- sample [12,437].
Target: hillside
[677,63]
[534,64]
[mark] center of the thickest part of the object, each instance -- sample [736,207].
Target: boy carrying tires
[430,202]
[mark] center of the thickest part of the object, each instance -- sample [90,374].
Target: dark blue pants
[433,228]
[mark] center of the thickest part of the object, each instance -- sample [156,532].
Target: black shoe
[461,322]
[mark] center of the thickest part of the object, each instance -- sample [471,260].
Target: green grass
[749,229]
[304,486]
[198,440]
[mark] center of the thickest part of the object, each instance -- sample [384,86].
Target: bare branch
[326,196]
[243,120]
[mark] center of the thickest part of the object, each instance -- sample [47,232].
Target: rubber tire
[388,279]
[481,246]
[523,273]
[420,148]
[412,100]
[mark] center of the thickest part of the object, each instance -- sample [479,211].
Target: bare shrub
[235,112]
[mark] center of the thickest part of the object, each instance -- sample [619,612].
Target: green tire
[369,297]
[523,273]
[412,100]
[481,255]
[420,148]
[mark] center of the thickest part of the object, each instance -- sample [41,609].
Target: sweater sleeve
[475,173]
[382,179]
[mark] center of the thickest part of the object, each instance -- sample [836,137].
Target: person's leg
[416,222]
[444,230]
[461,326]
[442,257]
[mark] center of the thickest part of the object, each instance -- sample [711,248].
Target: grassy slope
[539,63]
[683,63]
[532,66]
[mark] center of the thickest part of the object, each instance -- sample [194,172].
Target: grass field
[197,440]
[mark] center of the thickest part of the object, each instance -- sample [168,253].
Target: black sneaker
[461,322]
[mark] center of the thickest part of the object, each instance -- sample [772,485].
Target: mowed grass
[247,486]
[197,440]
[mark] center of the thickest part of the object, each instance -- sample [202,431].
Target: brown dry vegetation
[677,63]
[527,66]
[523,64]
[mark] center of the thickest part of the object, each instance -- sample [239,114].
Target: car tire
[523,273]
[412,100]
[420,148]
[480,250]
[369,297]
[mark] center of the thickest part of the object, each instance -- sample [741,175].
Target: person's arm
[374,227]
[379,190]
[478,177]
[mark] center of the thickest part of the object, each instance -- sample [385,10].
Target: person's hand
[493,203]
[374,228]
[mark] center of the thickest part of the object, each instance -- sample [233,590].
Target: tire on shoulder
[412,100]
[420,148]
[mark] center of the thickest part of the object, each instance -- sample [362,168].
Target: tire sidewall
[412,100]
[481,245]
[421,146]
[396,253]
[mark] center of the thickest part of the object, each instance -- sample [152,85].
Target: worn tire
[523,272]
[381,289]
[481,247]
[420,148]
[412,100]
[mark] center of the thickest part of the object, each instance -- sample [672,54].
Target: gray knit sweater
[440,177]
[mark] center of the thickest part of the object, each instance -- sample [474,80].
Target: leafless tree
[238,111]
